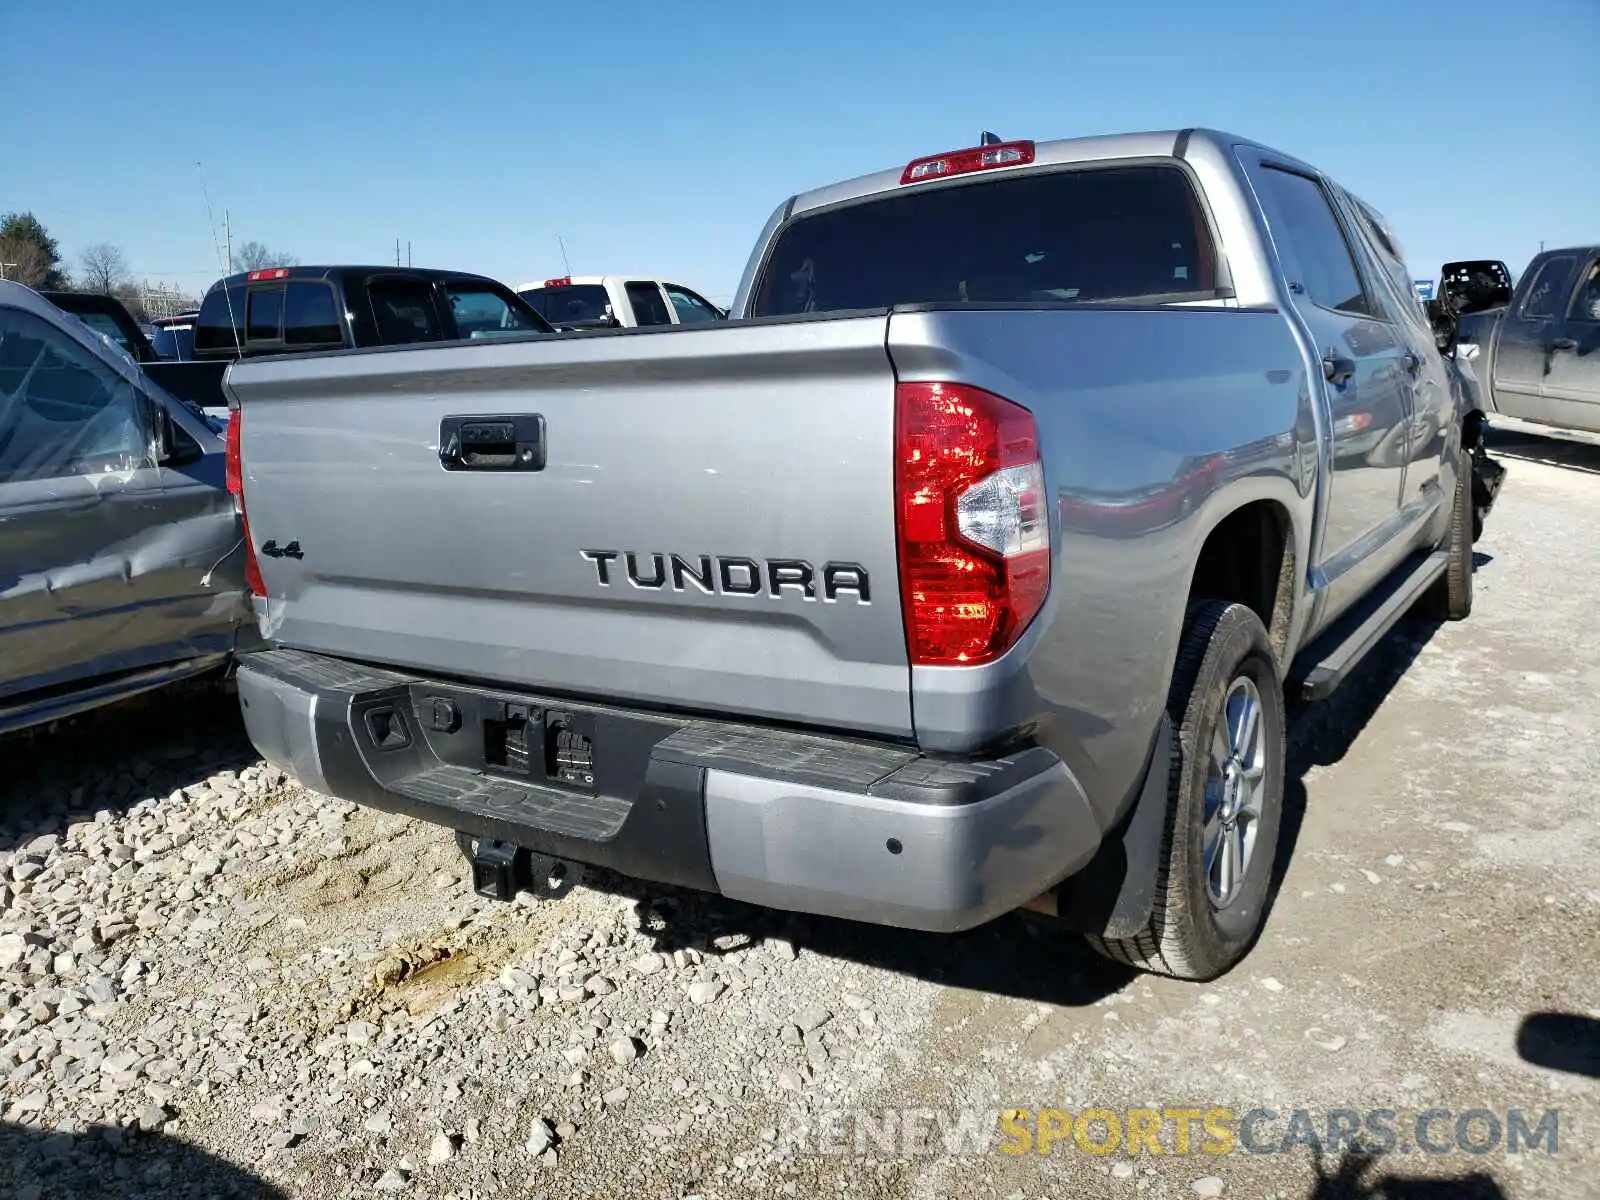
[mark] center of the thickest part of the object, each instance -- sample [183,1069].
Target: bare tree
[105,268]
[253,256]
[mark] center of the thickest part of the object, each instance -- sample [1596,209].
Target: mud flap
[1487,476]
[1114,894]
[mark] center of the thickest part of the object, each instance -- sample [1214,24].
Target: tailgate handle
[499,442]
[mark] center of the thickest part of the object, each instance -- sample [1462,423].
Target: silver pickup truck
[965,569]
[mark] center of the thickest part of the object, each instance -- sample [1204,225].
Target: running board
[1331,658]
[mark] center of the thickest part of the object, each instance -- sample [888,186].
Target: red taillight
[963,162]
[564,281]
[972,520]
[268,273]
[233,473]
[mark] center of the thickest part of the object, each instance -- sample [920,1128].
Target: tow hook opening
[501,869]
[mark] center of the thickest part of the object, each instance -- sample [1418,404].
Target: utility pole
[397,252]
[227,237]
[408,254]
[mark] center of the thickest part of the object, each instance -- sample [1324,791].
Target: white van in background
[601,301]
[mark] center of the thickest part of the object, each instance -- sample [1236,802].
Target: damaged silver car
[120,547]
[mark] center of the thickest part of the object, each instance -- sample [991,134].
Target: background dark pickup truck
[1535,348]
[287,310]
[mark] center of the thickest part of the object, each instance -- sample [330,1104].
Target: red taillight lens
[564,281]
[267,273]
[972,520]
[233,472]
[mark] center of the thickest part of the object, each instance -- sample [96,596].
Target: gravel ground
[213,983]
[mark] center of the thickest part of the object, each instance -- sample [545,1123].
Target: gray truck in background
[967,568]
[1534,350]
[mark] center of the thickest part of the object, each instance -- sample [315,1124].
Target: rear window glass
[403,311]
[569,305]
[1074,235]
[310,315]
[214,328]
[264,320]
[173,342]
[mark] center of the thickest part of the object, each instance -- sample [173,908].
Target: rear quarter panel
[1154,426]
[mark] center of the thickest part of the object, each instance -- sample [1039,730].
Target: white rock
[361,1033]
[393,1181]
[647,964]
[1122,1170]
[1394,860]
[442,1149]
[13,949]
[1272,985]
[380,1123]
[624,1050]
[1371,876]
[540,1137]
[1207,1186]
[812,1017]
[704,991]
[518,982]
[599,985]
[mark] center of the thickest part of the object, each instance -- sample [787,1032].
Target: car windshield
[1101,234]
[571,305]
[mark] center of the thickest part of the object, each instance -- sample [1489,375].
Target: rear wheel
[1225,800]
[1450,599]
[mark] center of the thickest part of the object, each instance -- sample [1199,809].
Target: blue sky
[656,137]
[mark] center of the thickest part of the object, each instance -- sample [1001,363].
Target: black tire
[1189,936]
[1450,599]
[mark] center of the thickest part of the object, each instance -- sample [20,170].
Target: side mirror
[1475,285]
[174,446]
[1445,326]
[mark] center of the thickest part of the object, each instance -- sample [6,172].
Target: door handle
[501,442]
[1335,368]
[1563,343]
[1411,362]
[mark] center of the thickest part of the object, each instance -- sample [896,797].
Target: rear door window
[311,315]
[264,316]
[220,325]
[403,311]
[1311,242]
[579,303]
[648,306]
[1076,235]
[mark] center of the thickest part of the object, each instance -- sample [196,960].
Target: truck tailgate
[712,527]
